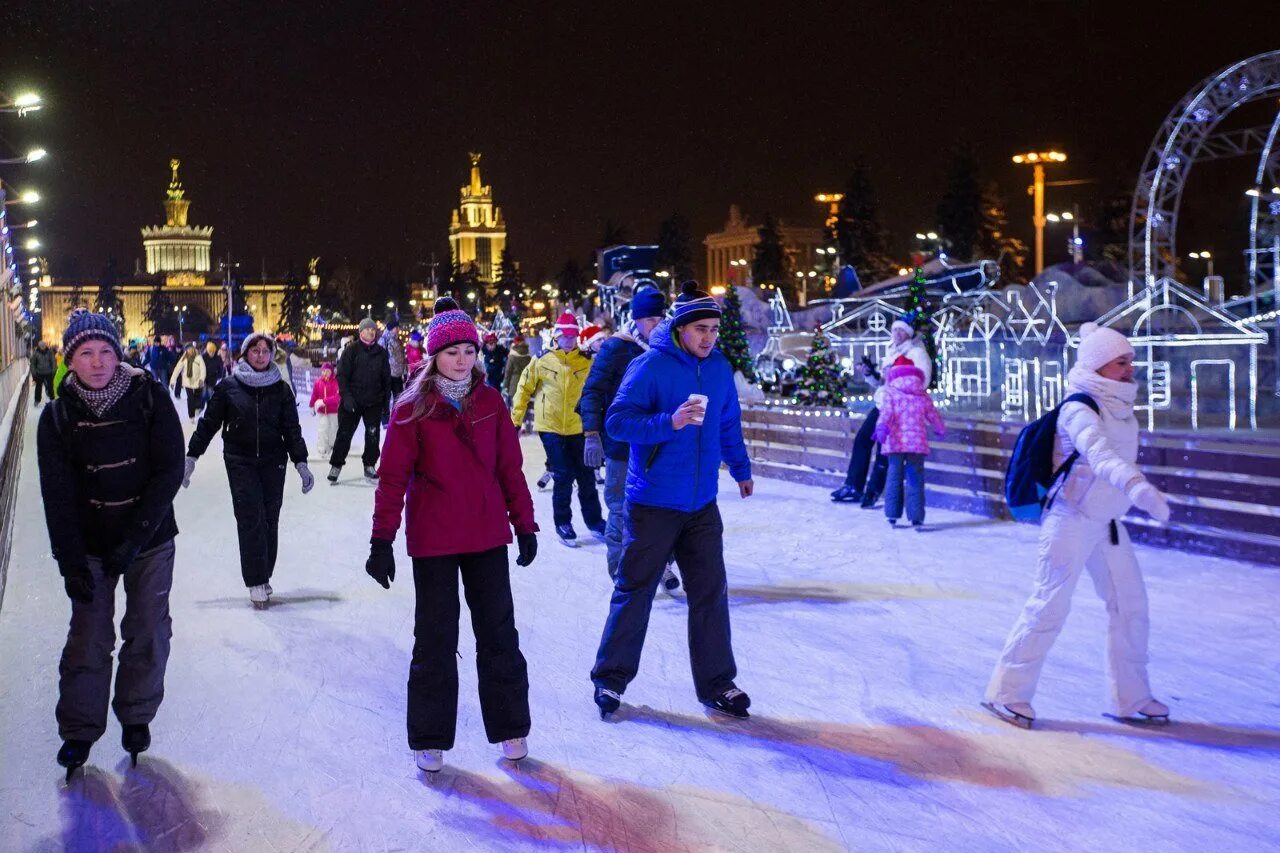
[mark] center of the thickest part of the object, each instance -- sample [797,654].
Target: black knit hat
[84,325]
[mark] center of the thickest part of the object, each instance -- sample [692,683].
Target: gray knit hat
[367,323]
[83,326]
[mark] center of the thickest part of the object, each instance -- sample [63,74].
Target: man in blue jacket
[677,443]
[601,389]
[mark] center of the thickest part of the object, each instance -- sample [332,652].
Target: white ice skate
[1019,714]
[1153,713]
[430,760]
[270,591]
[258,595]
[515,749]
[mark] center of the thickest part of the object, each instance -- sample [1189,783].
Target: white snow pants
[326,432]
[1069,542]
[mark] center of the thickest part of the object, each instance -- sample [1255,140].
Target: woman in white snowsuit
[1082,529]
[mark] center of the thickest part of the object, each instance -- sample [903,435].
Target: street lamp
[1038,160]
[32,156]
[1075,245]
[181,311]
[27,102]
[28,197]
[32,244]
[1203,256]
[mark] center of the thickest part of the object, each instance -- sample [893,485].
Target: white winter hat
[1100,345]
[904,326]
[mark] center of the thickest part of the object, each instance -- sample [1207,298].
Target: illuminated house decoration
[177,249]
[1188,347]
[477,233]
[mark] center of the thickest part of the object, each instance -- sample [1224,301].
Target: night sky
[325,128]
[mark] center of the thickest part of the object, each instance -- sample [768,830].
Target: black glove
[121,557]
[381,565]
[79,586]
[528,544]
[350,404]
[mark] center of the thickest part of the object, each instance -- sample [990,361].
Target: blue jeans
[908,466]
[615,491]
[564,455]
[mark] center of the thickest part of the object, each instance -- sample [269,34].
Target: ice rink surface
[865,651]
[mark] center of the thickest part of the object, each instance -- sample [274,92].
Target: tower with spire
[177,249]
[477,232]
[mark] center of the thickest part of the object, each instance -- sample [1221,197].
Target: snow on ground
[865,651]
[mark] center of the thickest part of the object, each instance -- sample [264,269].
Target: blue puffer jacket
[670,468]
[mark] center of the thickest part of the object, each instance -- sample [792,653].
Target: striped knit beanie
[692,305]
[450,326]
[83,326]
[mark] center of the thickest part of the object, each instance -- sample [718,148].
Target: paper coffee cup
[701,400]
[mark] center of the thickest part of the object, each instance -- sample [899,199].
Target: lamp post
[1038,160]
[1075,245]
[181,311]
[28,102]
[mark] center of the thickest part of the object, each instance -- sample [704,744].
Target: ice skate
[567,535]
[597,531]
[893,522]
[599,478]
[607,701]
[670,580]
[731,702]
[515,749]
[1019,714]
[1154,713]
[73,755]
[334,473]
[371,473]
[544,480]
[430,760]
[136,739]
[917,526]
[869,499]
[846,494]
[258,595]
[270,591]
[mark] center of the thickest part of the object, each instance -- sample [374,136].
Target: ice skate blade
[716,713]
[1141,721]
[133,757]
[569,543]
[1009,717]
[259,605]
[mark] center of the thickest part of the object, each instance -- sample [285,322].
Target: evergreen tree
[858,230]
[994,242]
[961,210]
[108,301]
[293,308]
[771,264]
[819,380]
[919,314]
[674,247]
[1109,240]
[158,306]
[733,336]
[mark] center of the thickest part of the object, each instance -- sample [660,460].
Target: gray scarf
[452,389]
[99,400]
[256,378]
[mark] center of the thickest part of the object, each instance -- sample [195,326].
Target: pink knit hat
[567,325]
[450,326]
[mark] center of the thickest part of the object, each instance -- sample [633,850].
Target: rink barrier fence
[14,398]
[1224,490]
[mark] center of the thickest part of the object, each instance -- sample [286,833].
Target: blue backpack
[1031,475]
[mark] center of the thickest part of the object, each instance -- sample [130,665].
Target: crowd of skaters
[655,404]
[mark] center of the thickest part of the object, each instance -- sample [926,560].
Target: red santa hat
[590,335]
[567,324]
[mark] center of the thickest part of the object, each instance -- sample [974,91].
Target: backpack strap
[1065,467]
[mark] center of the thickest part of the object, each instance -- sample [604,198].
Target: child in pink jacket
[325,403]
[905,416]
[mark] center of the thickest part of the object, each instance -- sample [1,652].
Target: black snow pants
[84,684]
[433,673]
[650,535]
[864,444]
[347,423]
[257,493]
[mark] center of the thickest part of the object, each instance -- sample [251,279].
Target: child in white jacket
[1082,530]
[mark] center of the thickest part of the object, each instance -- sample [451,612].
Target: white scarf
[1117,397]
[631,332]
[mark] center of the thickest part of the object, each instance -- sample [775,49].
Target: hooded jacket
[364,375]
[1107,441]
[109,480]
[455,475]
[557,379]
[906,413]
[495,364]
[214,369]
[915,350]
[43,361]
[517,360]
[326,391]
[601,387]
[670,468]
[396,359]
[192,380]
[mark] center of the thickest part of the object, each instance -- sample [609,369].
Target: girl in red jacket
[326,402]
[452,466]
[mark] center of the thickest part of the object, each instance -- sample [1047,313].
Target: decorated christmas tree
[820,383]
[920,314]
[733,337]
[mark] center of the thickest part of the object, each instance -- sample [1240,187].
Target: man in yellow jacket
[556,378]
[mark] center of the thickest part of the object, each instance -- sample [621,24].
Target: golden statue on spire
[476,187]
[175,185]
